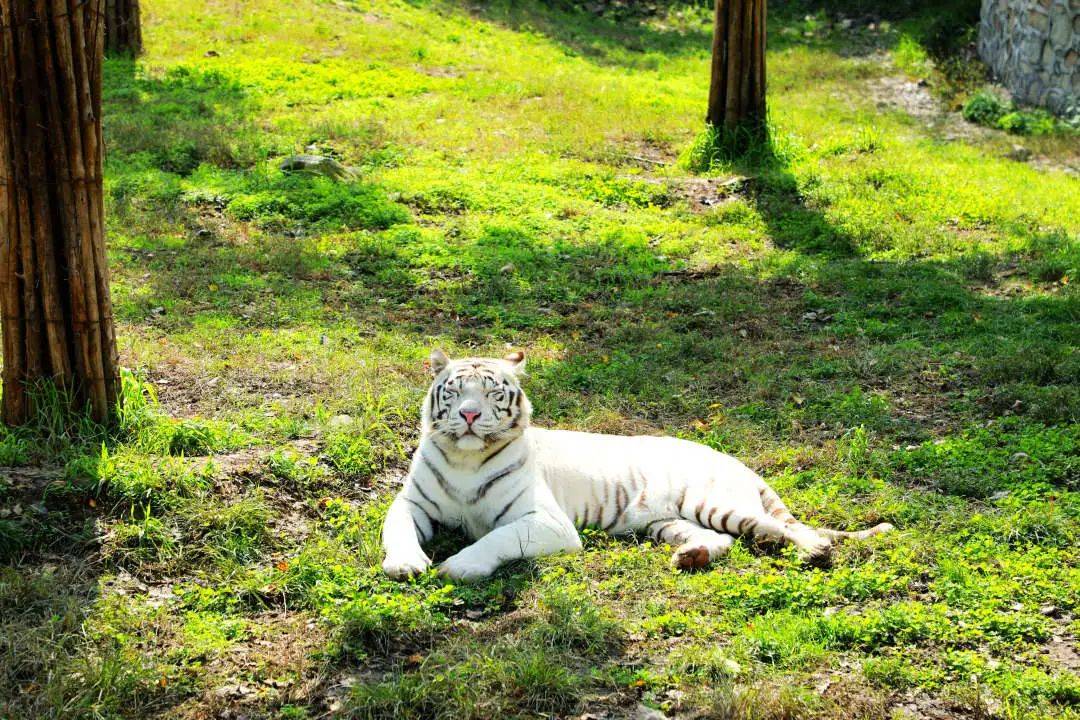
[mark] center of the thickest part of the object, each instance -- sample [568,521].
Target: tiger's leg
[695,546]
[543,531]
[813,547]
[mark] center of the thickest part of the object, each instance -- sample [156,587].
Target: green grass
[877,314]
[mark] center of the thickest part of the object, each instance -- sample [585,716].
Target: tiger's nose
[469,415]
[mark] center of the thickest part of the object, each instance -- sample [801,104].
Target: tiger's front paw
[402,567]
[466,568]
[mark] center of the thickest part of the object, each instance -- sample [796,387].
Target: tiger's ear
[516,360]
[436,361]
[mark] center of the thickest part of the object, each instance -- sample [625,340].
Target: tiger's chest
[476,518]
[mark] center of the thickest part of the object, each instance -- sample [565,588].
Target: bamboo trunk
[54,282]
[123,27]
[737,87]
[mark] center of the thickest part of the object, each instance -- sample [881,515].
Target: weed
[985,108]
[570,620]
[503,682]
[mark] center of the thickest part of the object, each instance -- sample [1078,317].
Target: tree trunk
[123,29]
[54,283]
[737,88]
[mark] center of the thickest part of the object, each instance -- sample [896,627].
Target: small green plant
[237,531]
[141,537]
[985,108]
[717,146]
[911,57]
[283,200]
[132,477]
[14,448]
[350,454]
[376,622]
[1027,122]
[291,466]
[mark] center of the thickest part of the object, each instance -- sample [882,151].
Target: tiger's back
[620,483]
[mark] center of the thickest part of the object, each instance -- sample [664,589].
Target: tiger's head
[476,402]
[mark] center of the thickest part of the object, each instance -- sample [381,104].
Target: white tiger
[521,491]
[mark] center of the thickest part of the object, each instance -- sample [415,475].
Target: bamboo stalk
[759,54]
[718,76]
[95,34]
[123,27]
[747,53]
[36,158]
[56,309]
[13,409]
[737,71]
[82,304]
[734,64]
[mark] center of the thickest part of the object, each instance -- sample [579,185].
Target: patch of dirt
[185,393]
[700,193]
[439,72]
[649,154]
[704,194]
[896,92]
[1063,648]
[920,706]
[272,667]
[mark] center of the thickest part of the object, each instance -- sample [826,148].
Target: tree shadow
[645,40]
[637,40]
[176,119]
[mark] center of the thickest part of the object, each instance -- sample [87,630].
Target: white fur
[530,498]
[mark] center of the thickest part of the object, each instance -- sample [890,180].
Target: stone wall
[1033,48]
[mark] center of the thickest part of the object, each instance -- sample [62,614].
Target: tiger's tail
[775,507]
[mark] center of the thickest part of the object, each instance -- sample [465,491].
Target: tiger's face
[476,402]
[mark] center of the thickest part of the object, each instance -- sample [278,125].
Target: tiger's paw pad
[691,557]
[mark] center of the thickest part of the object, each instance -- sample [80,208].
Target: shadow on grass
[632,41]
[949,335]
[647,39]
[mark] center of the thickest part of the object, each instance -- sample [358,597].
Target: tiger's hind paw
[690,557]
[818,554]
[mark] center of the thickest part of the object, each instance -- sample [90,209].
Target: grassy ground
[881,316]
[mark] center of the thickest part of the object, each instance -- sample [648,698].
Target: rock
[644,712]
[340,421]
[317,165]
[1019,153]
